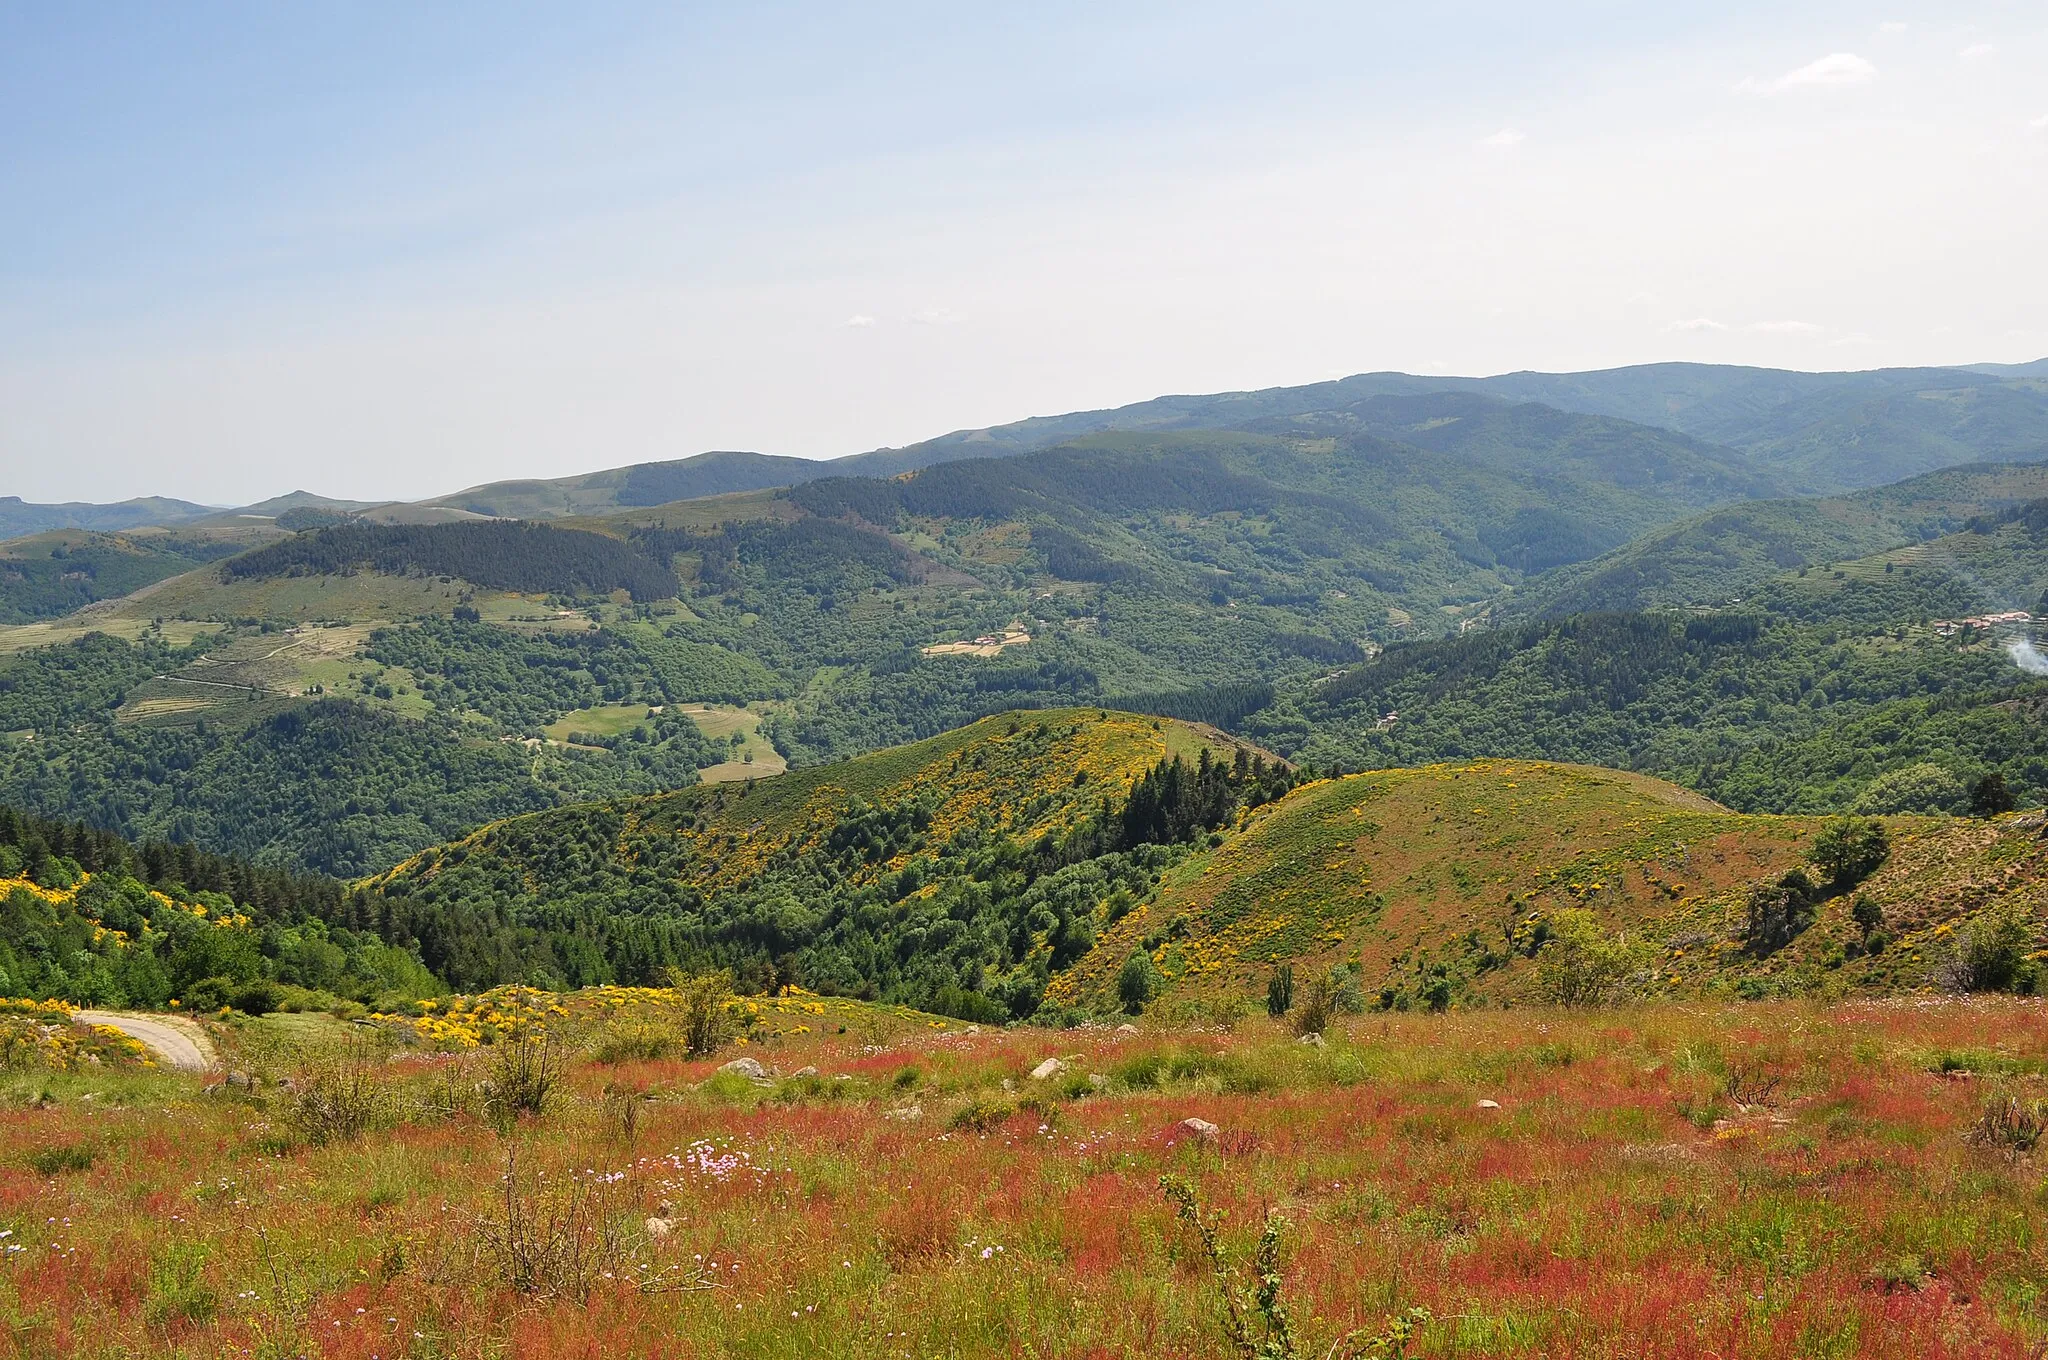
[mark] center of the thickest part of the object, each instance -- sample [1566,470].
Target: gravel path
[177,1041]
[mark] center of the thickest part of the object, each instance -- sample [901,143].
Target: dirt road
[177,1041]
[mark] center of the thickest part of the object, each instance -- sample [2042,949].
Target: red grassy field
[1670,1181]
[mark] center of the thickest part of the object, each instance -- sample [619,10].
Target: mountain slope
[1716,557]
[972,862]
[1448,875]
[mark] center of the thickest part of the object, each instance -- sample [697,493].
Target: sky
[386,252]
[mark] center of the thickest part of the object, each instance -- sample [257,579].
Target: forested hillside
[47,575]
[89,918]
[958,873]
[498,555]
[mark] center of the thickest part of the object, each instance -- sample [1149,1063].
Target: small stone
[1198,1128]
[1048,1069]
[1312,1039]
[972,1029]
[750,1068]
[1127,1029]
[1489,1104]
[1009,1085]
[804,1072]
[905,1112]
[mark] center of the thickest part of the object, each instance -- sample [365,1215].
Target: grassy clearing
[752,757]
[1763,1181]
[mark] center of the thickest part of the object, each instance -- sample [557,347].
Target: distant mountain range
[1761,431]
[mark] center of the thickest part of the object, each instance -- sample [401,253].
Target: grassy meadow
[1779,1179]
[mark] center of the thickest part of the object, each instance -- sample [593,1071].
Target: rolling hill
[1717,557]
[974,863]
[993,872]
[1448,874]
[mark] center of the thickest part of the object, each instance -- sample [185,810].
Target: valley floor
[1671,1180]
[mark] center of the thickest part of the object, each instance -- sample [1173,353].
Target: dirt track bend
[177,1041]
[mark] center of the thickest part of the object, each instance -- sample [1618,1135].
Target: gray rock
[1097,1080]
[1489,1104]
[804,1072]
[1198,1128]
[750,1068]
[1126,1029]
[1048,1069]
[1312,1039]
[906,1113]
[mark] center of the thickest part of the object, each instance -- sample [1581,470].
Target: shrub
[2010,1124]
[1280,991]
[1990,955]
[633,1043]
[1583,965]
[1849,850]
[525,1070]
[1255,1319]
[708,1021]
[554,1239]
[336,1100]
[963,1004]
[52,1161]
[983,1114]
[1318,1006]
[1138,982]
[176,1292]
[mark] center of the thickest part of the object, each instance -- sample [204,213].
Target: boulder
[1192,1127]
[750,1068]
[1312,1039]
[1126,1029]
[804,1072]
[1048,1069]
[1489,1104]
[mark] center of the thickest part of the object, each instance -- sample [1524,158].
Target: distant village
[1982,622]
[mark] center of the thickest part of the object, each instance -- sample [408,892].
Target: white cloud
[935,316]
[1697,323]
[1977,51]
[1853,338]
[1833,71]
[2039,124]
[1891,26]
[860,321]
[1507,139]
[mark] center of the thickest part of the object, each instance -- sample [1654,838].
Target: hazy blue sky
[392,251]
